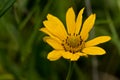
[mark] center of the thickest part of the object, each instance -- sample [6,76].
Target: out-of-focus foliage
[23,52]
[5,5]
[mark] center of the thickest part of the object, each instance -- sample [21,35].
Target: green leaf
[5,5]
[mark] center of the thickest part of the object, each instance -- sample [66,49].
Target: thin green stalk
[70,70]
[115,37]
[111,25]
[80,74]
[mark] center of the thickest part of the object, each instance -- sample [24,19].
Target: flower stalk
[71,66]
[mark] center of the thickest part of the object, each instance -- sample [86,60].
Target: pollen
[73,43]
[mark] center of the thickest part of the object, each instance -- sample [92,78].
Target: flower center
[73,43]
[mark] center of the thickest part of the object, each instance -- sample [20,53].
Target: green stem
[70,70]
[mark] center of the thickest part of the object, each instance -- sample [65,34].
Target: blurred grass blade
[28,47]
[5,6]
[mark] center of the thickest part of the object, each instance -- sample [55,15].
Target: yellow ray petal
[50,34]
[66,55]
[75,57]
[83,54]
[55,29]
[54,55]
[53,43]
[86,37]
[79,21]
[97,41]
[70,21]
[87,26]
[94,51]
[45,31]
[58,23]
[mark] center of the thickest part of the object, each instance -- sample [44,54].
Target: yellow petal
[66,55]
[50,34]
[87,26]
[70,21]
[94,51]
[75,56]
[86,37]
[58,23]
[53,43]
[97,41]
[45,31]
[54,55]
[83,54]
[56,29]
[79,21]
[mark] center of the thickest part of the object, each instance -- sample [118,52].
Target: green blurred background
[23,52]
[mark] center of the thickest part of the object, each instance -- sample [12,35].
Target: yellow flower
[72,44]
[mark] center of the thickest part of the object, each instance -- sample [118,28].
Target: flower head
[71,43]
